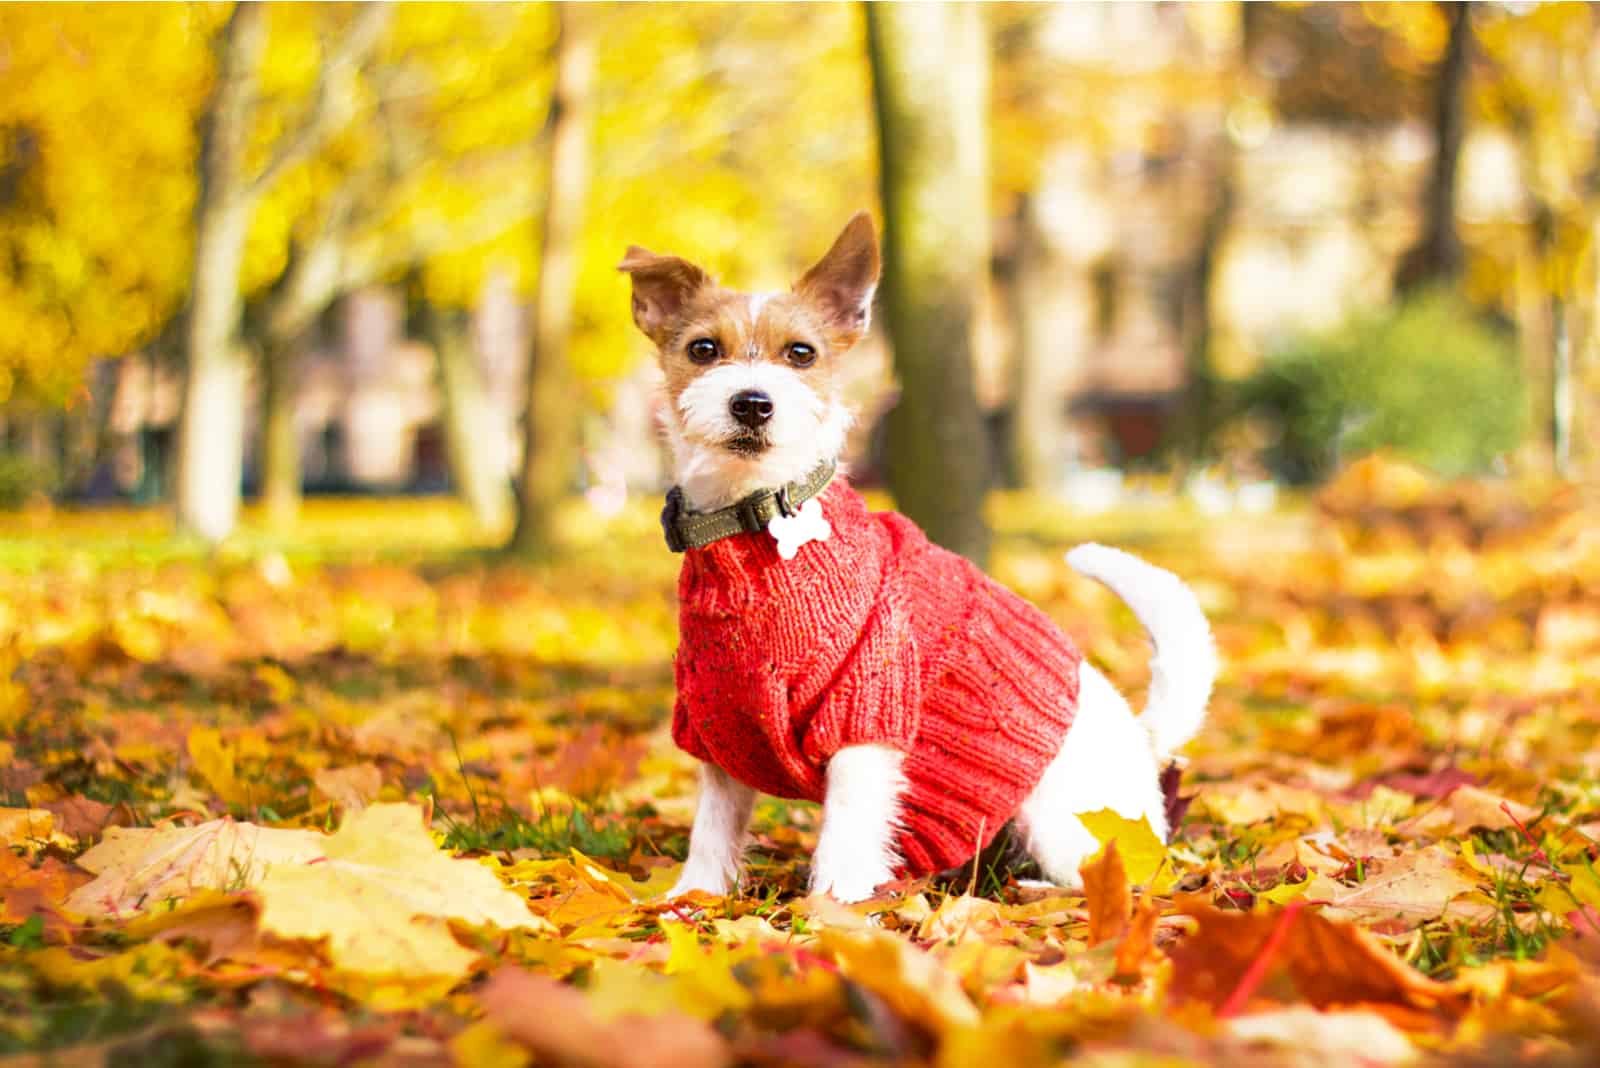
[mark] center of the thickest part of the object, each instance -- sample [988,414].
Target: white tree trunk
[211,426]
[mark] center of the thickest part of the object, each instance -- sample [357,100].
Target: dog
[834,654]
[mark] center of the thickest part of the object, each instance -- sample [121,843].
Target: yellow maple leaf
[216,762]
[139,867]
[381,894]
[31,828]
[1143,853]
[378,893]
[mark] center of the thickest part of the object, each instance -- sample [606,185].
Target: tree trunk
[1561,388]
[474,469]
[930,88]
[211,424]
[280,437]
[1200,401]
[550,444]
[1437,257]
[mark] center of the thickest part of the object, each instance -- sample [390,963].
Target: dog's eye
[702,350]
[801,354]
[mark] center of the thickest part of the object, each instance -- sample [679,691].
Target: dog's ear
[662,286]
[843,281]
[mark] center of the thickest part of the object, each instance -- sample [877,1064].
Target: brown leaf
[1106,892]
[1414,887]
[1176,804]
[84,817]
[558,1024]
[1466,808]
[1329,964]
[1430,786]
[352,788]
[25,889]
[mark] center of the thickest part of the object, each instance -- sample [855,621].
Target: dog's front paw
[691,881]
[848,886]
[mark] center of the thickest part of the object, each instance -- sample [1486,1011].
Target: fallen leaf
[960,917]
[26,888]
[141,867]
[30,828]
[557,1023]
[1429,786]
[1329,964]
[216,762]
[1106,893]
[82,817]
[1143,854]
[1414,887]
[1343,1037]
[910,980]
[1467,808]
[1138,943]
[382,893]
[352,788]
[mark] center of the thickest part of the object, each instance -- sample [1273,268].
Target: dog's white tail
[1185,662]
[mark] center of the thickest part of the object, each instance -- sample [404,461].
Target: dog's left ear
[662,287]
[843,281]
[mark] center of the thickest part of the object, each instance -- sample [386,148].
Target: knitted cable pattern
[873,636]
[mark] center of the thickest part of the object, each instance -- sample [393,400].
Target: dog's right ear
[662,286]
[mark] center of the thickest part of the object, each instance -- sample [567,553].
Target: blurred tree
[211,421]
[95,183]
[550,441]
[277,325]
[435,174]
[1544,91]
[1081,130]
[930,87]
[1437,256]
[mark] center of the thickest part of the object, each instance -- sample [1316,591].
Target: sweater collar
[686,529]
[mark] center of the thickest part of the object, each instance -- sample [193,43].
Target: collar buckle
[669,520]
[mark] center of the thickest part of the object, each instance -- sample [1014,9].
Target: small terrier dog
[834,654]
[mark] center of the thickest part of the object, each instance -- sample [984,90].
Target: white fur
[1106,761]
[805,429]
[1184,664]
[757,302]
[1110,758]
[855,850]
[717,842]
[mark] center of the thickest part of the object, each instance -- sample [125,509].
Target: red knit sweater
[873,636]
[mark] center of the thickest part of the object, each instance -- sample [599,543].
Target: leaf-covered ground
[370,797]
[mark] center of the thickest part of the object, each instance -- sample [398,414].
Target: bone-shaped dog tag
[793,531]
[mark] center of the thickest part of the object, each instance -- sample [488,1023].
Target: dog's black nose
[751,407]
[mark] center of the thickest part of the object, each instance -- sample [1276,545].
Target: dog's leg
[716,844]
[1106,761]
[855,850]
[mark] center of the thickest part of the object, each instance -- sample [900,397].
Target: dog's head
[752,378]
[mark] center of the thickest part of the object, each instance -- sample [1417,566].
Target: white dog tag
[794,531]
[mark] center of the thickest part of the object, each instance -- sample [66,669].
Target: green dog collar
[686,529]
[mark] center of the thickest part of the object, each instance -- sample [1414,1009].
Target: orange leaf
[1105,889]
[1328,964]
[558,1023]
[1138,944]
